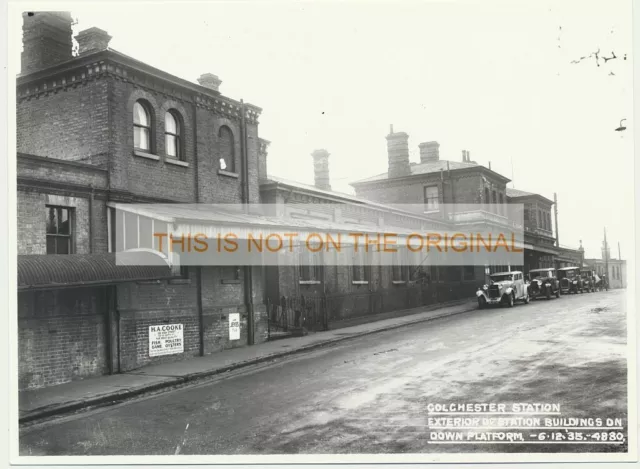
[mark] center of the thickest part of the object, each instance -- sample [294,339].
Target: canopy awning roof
[41,272]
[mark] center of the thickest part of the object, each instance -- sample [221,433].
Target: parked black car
[588,279]
[544,283]
[570,280]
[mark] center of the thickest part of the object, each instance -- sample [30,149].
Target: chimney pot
[321,169]
[429,152]
[92,40]
[211,81]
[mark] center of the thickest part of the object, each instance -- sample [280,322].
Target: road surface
[372,394]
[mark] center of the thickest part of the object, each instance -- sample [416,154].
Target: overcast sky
[491,77]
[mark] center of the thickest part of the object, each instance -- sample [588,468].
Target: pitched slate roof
[518,193]
[426,168]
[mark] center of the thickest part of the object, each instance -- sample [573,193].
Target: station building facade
[97,128]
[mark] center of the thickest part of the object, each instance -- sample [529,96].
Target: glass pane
[140,115]
[62,243]
[170,124]
[141,138]
[64,223]
[131,231]
[52,222]
[146,236]
[51,245]
[171,145]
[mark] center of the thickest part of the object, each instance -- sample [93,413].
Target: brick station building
[99,128]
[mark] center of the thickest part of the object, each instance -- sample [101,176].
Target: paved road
[370,395]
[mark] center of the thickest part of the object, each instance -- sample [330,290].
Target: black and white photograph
[321,232]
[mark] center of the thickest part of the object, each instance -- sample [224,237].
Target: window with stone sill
[431,198]
[142,126]
[310,266]
[226,145]
[398,269]
[59,230]
[360,268]
[173,135]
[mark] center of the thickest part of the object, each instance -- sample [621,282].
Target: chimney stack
[263,145]
[398,153]
[211,81]
[92,40]
[47,39]
[321,169]
[429,152]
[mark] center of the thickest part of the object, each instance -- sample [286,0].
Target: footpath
[105,390]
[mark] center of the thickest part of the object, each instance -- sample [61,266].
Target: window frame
[179,141]
[399,266]
[310,266]
[146,107]
[230,162]
[70,236]
[428,205]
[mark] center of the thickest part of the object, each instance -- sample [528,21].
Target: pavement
[374,393]
[71,397]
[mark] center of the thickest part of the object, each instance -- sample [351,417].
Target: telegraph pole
[606,254]
[619,257]
[555,212]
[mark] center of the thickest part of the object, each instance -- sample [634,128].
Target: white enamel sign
[166,339]
[234,326]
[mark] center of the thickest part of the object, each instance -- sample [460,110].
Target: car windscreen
[501,278]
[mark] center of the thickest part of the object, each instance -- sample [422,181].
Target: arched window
[487,200]
[501,209]
[495,202]
[173,135]
[227,149]
[142,126]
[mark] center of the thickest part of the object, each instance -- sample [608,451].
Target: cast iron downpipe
[248,273]
[197,198]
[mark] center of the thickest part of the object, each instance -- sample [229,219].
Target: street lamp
[622,127]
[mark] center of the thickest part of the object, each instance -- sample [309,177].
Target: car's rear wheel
[548,293]
[558,293]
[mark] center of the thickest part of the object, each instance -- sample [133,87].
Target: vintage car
[588,279]
[504,288]
[544,283]
[570,280]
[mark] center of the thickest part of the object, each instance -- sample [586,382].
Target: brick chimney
[398,151]
[321,169]
[47,39]
[263,145]
[469,157]
[92,40]
[429,152]
[211,81]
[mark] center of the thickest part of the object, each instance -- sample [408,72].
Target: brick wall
[32,217]
[68,124]
[144,176]
[142,305]
[61,336]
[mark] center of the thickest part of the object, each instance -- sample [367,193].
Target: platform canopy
[43,272]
